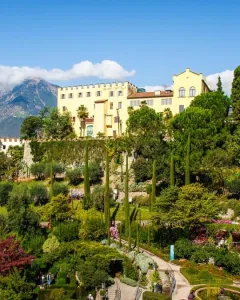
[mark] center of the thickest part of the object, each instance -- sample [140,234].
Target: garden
[75,220]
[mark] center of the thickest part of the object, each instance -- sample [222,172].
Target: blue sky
[155,38]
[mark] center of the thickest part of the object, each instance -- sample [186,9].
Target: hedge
[155,296]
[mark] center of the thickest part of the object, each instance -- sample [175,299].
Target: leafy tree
[57,168]
[191,205]
[66,231]
[12,255]
[5,189]
[106,192]
[57,125]
[16,287]
[30,127]
[94,228]
[60,209]
[216,165]
[219,86]
[183,248]
[82,114]
[235,96]
[39,193]
[75,175]
[38,170]
[98,197]
[233,183]
[60,188]
[95,172]
[51,244]
[142,169]
[19,197]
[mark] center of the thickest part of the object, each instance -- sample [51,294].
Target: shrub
[154,296]
[98,197]
[95,172]
[51,244]
[34,244]
[142,170]
[66,232]
[61,281]
[60,188]
[5,189]
[128,281]
[232,263]
[75,176]
[56,169]
[183,248]
[130,270]
[39,193]
[92,229]
[141,200]
[200,256]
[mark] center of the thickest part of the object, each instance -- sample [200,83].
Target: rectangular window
[15,140]
[166,101]
[119,105]
[88,94]
[181,108]
[4,147]
[63,96]
[134,103]
[10,140]
[120,93]
[111,94]
[64,108]
[4,140]
[70,95]
[116,119]
[73,119]
[98,93]
[114,133]
[150,102]
[79,95]
[111,105]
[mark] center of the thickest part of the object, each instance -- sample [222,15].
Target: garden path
[127,292]
[183,287]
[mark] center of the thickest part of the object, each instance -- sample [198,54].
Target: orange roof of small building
[151,94]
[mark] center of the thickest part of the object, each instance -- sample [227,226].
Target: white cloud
[226,77]
[107,69]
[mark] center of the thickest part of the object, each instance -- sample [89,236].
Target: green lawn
[205,274]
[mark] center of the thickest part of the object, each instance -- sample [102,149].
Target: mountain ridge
[25,99]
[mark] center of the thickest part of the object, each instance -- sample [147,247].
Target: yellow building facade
[107,104]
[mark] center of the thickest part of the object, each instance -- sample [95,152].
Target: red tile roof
[151,95]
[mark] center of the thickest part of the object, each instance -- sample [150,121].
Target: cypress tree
[106,198]
[172,180]
[219,86]
[51,179]
[86,178]
[235,96]
[187,167]
[126,200]
[153,194]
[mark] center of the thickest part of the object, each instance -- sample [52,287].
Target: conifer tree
[106,197]
[219,86]
[235,96]
[126,200]
[86,178]
[153,194]
[187,167]
[172,180]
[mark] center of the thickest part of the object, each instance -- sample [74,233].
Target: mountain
[25,99]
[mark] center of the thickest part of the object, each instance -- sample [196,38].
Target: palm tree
[82,114]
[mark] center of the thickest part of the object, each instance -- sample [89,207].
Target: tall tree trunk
[153,194]
[126,200]
[172,179]
[87,192]
[187,169]
[106,198]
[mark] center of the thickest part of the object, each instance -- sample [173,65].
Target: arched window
[182,92]
[90,130]
[192,91]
